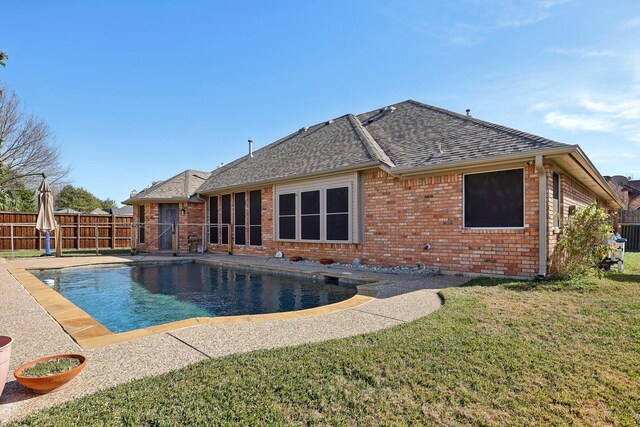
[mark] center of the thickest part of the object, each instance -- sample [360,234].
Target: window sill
[325,242]
[513,230]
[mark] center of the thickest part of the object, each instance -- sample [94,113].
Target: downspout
[542,216]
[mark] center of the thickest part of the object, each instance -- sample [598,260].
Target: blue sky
[139,91]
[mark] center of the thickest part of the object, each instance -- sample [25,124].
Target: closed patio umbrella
[46,219]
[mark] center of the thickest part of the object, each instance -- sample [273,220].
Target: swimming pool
[125,297]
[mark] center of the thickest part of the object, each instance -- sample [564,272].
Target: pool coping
[90,334]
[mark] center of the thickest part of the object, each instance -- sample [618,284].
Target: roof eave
[587,164]
[418,170]
[574,150]
[134,200]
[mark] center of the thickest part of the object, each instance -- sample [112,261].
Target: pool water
[128,297]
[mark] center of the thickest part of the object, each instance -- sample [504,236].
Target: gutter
[415,170]
[598,177]
[155,200]
[542,216]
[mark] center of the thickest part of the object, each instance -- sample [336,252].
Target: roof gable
[178,187]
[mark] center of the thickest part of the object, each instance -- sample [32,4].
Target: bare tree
[26,145]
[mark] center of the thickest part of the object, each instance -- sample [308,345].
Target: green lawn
[507,354]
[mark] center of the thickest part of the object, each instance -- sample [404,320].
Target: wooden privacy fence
[78,231]
[630,223]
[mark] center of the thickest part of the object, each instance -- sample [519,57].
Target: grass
[496,353]
[66,252]
[50,367]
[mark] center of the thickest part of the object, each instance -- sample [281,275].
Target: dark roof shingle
[406,134]
[181,186]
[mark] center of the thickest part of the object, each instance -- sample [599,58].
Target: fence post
[97,241]
[174,232]
[203,237]
[113,231]
[12,241]
[78,232]
[133,238]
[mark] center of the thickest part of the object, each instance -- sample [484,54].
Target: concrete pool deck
[400,298]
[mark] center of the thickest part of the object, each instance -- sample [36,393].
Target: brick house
[405,184]
[627,190]
[156,208]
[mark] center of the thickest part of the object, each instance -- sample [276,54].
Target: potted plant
[5,357]
[50,373]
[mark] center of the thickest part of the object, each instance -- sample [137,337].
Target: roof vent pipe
[468,112]
[250,148]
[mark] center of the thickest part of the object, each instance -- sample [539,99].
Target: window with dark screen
[494,199]
[287,216]
[213,219]
[255,218]
[226,218]
[310,215]
[141,221]
[321,211]
[239,219]
[556,200]
[337,227]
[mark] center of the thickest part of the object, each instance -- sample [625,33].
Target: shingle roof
[181,186]
[125,210]
[635,185]
[406,134]
[322,147]
[411,133]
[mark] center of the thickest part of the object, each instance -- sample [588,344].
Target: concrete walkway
[402,299]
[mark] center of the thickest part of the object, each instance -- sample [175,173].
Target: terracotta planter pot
[326,261]
[296,258]
[5,357]
[42,385]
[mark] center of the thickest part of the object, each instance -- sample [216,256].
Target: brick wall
[572,195]
[401,216]
[189,234]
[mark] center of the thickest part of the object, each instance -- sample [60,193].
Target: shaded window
[141,221]
[337,226]
[240,220]
[226,218]
[287,216]
[494,199]
[213,219]
[255,218]
[556,200]
[310,215]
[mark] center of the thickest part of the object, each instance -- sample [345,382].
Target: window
[141,223]
[239,220]
[494,199]
[318,211]
[226,218]
[287,216]
[556,200]
[338,213]
[310,215]
[213,219]
[255,218]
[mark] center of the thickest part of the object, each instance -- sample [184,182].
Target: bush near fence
[78,231]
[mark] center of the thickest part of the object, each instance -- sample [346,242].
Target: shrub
[582,244]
